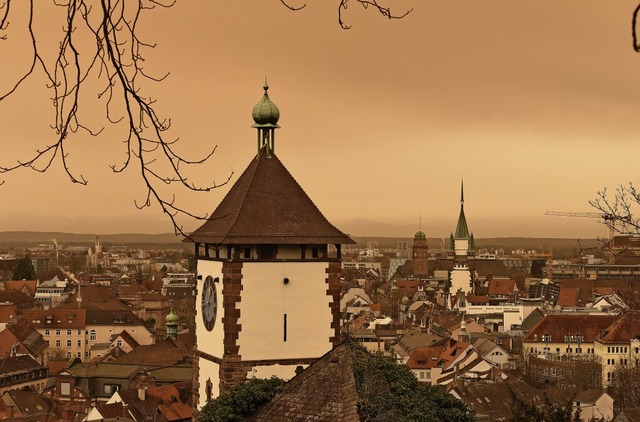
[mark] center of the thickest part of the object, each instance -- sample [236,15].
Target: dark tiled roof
[493,400]
[532,319]
[267,206]
[165,353]
[31,403]
[324,392]
[18,364]
[589,326]
[30,338]
[589,396]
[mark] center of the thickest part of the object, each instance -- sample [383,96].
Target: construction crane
[608,219]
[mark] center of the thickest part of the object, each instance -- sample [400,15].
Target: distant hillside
[561,248]
[28,238]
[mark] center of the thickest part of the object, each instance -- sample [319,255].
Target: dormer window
[546,338]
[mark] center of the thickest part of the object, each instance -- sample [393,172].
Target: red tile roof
[502,287]
[559,325]
[425,357]
[267,206]
[627,327]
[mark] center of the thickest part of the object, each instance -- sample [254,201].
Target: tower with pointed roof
[268,267]
[461,244]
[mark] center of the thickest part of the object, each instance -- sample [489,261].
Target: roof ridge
[255,160]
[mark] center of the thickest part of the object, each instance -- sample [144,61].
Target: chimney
[142,393]
[125,410]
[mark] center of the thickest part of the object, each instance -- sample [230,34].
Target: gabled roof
[425,357]
[267,206]
[29,337]
[502,287]
[559,325]
[627,327]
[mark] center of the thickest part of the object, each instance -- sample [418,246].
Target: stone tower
[268,267]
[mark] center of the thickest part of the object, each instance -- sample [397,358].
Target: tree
[390,392]
[625,386]
[528,411]
[100,54]
[24,269]
[619,210]
[241,400]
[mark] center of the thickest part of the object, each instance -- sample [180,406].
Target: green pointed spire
[462,230]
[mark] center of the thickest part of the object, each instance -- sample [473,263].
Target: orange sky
[535,103]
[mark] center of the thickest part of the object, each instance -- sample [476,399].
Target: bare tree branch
[114,60]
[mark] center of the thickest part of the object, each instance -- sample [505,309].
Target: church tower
[462,244]
[268,267]
[420,255]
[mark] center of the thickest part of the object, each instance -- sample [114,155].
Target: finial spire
[266,115]
[462,190]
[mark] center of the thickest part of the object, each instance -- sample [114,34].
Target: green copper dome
[265,113]
[172,318]
[420,235]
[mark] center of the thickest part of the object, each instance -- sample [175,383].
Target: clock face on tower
[209,303]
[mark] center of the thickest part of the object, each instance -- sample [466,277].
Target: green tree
[241,400]
[24,269]
[390,392]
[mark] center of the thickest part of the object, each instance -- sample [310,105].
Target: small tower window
[247,253]
[315,252]
[267,251]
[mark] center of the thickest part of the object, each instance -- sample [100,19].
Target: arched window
[92,335]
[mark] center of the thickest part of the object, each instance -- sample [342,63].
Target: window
[57,332]
[111,388]
[47,332]
[79,343]
[119,343]
[58,344]
[421,375]
[68,343]
[68,332]
[79,332]
[92,336]
[68,355]
[79,354]
[65,388]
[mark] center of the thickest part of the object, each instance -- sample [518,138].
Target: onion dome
[420,235]
[172,318]
[405,300]
[265,113]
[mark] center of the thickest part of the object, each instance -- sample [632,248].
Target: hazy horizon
[534,103]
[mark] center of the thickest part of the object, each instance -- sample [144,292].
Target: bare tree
[100,52]
[618,209]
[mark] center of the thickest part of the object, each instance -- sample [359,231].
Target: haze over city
[534,104]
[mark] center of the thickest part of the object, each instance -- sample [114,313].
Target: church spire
[462,230]
[266,115]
